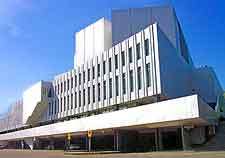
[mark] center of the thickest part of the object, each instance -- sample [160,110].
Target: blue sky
[37,36]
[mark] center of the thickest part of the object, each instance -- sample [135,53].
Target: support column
[158,140]
[89,144]
[186,138]
[22,144]
[116,140]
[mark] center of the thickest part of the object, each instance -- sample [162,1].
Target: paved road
[60,154]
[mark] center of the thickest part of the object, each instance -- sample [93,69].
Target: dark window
[68,84]
[139,77]
[124,83]
[146,47]
[75,99]
[103,67]
[56,106]
[88,95]
[64,86]
[99,93]
[71,101]
[93,93]
[116,61]
[123,58]
[84,76]
[49,109]
[117,86]
[58,88]
[110,88]
[71,82]
[131,81]
[138,49]
[84,97]
[110,64]
[130,55]
[68,102]
[61,87]
[64,103]
[75,81]
[88,74]
[148,74]
[79,98]
[98,70]
[79,78]
[93,72]
[61,104]
[104,89]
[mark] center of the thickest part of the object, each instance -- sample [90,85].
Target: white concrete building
[142,92]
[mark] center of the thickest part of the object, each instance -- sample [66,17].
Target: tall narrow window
[88,95]
[130,55]
[103,67]
[56,106]
[148,74]
[84,76]
[117,86]
[110,88]
[68,84]
[79,78]
[75,81]
[84,97]
[71,82]
[110,64]
[49,109]
[124,83]
[72,101]
[123,58]
[61,104]
[138,51]
[61,87]
[68,102]
[79,98]
[93,72]
[99,92]
[146,47]
[75,100]
[98,70]
[131,81]
[116,61]
[64,103]
[104,89]
[88,74]
[64,86]
[58,89]
[93,93]
[139,77]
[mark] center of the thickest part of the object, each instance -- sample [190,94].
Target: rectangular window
[104,89]
[64,103]
[88,95]
[110,64]
[84,76]
[98,70]
[110,88]
[93,72]
[116,61]
[130,55]
[61,87]
[64,86]
[124,83]
[68,102]
[93,94]
[148,74]
[75,81]
[68,84]
[99,93]
[79,78]
[146,47]
[72,101]
[49,109]
[88,74]
[131,81]
[103,67]
[138,51]
[61,104]
[117,86]
[55,106]
[72,83]
[139,77]
[75,99]
[58,89]
[123,58]
[84,97]
[79,98]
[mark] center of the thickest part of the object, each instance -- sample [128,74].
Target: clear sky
[37,36]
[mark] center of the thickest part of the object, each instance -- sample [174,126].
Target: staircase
[215,143]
